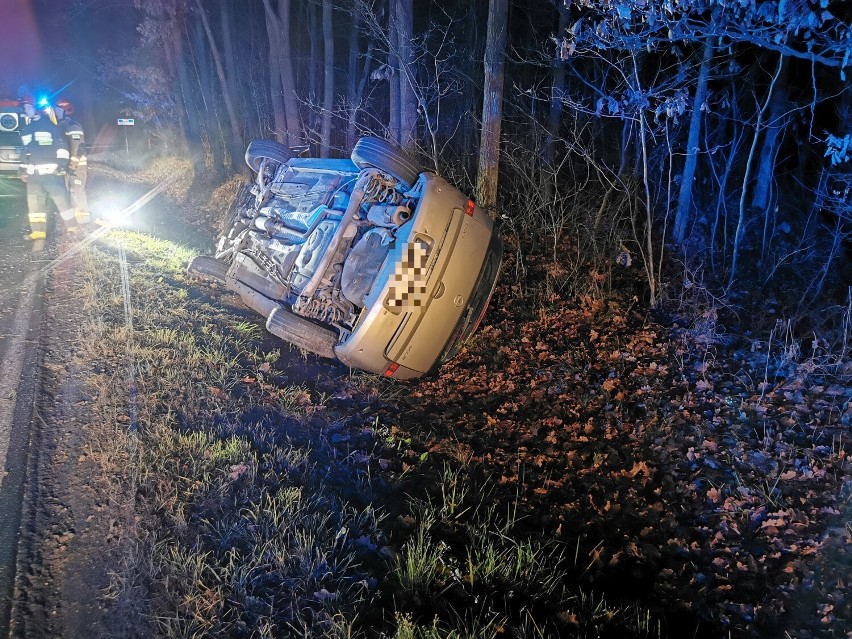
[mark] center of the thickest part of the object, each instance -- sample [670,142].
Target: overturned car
[370,261]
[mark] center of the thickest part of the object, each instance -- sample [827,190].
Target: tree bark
[209,123]
[738,234]
[281,25]
[352,79]
[492,104]
[469,107]
[404,31]
[189,112]
[328,78]
[394,126]
[775,125]
[237,143]
[684,200]
[557,91]
[357,84]
[226,20]
[314,27]
[275,72]
[295,134]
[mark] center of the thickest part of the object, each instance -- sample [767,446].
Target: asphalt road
[22,277]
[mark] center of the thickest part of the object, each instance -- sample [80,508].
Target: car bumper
[405,338]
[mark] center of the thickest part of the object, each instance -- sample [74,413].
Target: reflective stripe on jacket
[76,140]
[40,169]
[44,144]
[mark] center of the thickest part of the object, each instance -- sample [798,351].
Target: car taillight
[469,210]
[391,369]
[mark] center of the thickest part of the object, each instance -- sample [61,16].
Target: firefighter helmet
[65,105]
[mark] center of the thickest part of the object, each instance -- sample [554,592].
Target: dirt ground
[78,516]
[68,535]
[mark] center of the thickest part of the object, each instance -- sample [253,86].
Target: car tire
[302,332]
[382,155]
[258,150]
[207,267]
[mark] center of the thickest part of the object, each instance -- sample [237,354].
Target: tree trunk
[738,234]
[352,79]
[356,90]
[275,73]
[404,31]
[237,143]
[328,78]
[228,49]
[314,65]
[393,82]
[209,123]
[492,104]
[189,112]
[557,91]
[469,107]
[684,200]
[648,251]
[288,82]
[775,125]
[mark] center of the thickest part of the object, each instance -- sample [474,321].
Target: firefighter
[78,168]
[45,161]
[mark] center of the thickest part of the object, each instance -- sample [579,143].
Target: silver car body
[351,263]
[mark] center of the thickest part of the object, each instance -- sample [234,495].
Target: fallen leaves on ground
[684,473]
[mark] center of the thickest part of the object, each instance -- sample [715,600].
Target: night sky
[20,44]
[50,47]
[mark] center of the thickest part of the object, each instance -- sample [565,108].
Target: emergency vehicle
[11,122]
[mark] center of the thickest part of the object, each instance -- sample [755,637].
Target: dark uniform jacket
[45,148]
[76,143]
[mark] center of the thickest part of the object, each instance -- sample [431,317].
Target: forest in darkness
[697,151]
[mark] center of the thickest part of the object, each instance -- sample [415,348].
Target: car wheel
[381,154]
[302,332]
[207,267]
[258,150]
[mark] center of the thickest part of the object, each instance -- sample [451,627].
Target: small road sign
[125,122]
